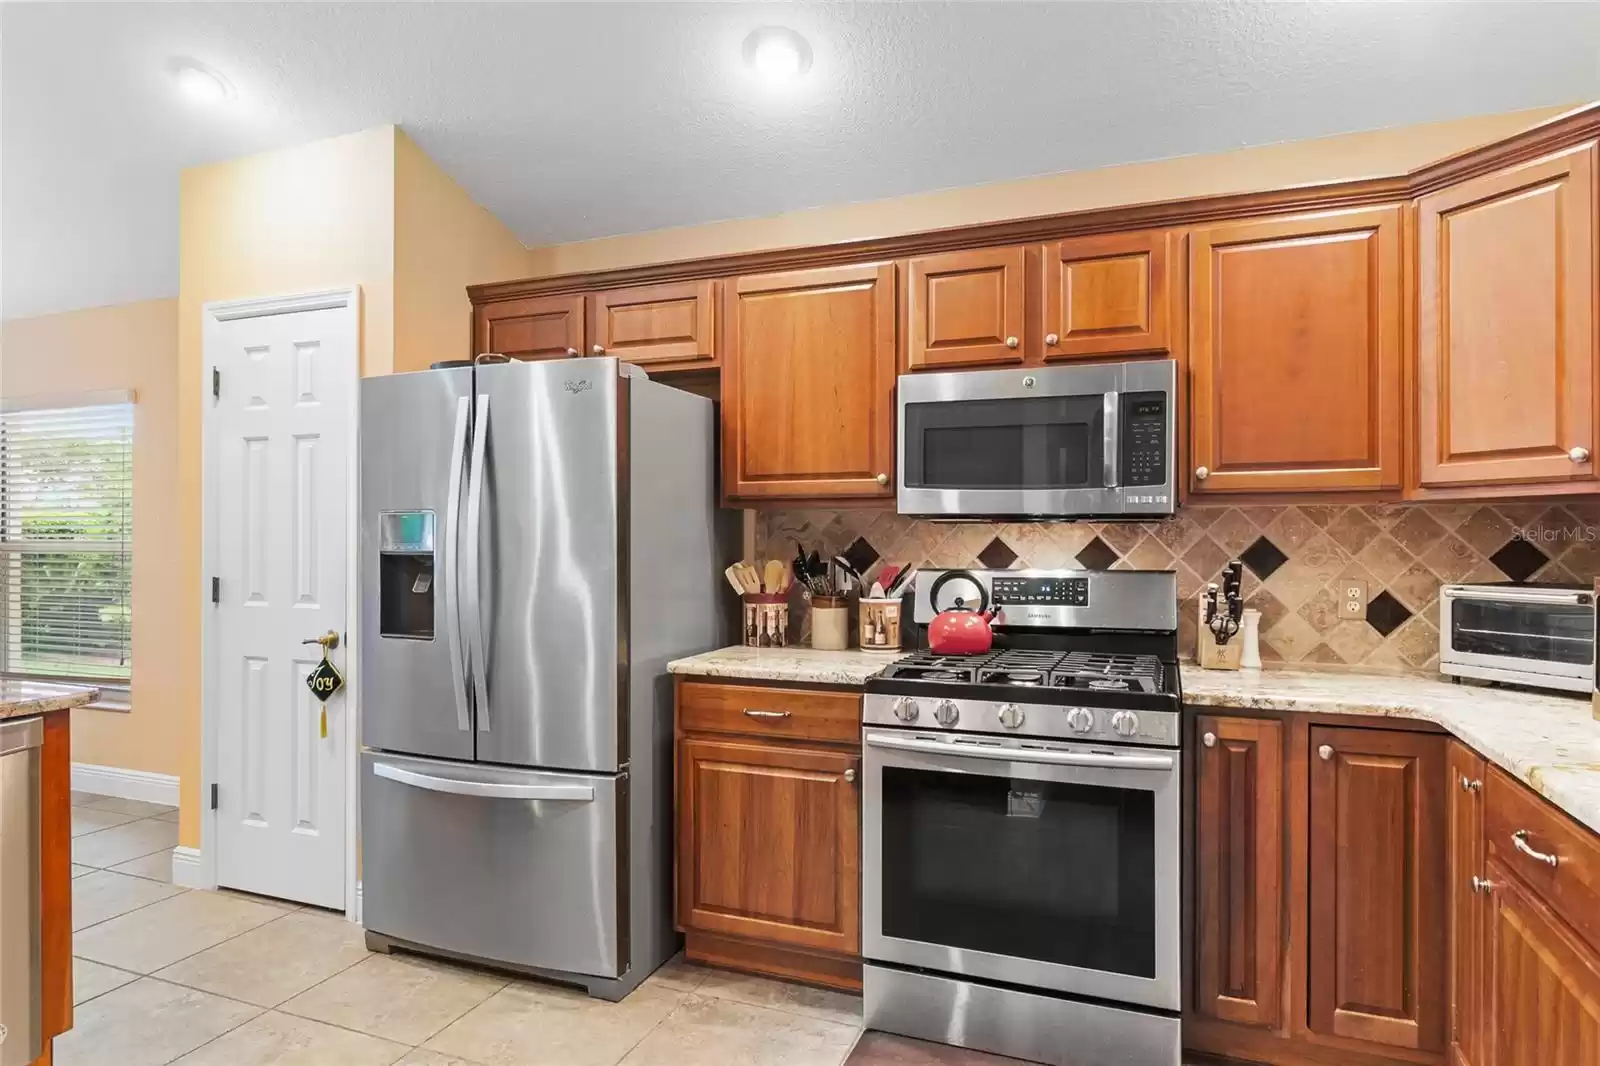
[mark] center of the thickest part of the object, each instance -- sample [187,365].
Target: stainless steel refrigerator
[537,541]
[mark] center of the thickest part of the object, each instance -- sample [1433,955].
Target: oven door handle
[1527,597]
[1037,755]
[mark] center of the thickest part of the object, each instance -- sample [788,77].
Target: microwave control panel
[1144,438]
[1052,591]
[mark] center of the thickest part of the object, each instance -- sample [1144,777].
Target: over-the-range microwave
[1092,441]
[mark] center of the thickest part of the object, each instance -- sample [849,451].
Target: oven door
[1523,634]
[1047,865]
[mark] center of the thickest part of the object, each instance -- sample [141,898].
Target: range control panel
[1144,438]
[1051,591]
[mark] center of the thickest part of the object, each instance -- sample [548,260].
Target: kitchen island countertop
[18,699]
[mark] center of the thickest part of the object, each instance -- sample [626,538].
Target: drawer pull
[1520,839]
[765,714]
[1469,784]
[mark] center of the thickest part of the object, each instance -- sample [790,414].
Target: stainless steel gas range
[1021,824]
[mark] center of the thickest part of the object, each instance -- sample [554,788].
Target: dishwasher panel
[21,962]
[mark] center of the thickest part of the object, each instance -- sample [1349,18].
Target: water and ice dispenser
[406,555]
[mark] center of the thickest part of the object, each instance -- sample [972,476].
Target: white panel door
[278,488]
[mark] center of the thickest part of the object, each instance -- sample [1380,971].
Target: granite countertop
[1550,742]
[800,664]
[18,699]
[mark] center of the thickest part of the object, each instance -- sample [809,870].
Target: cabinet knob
[883,479]
[1469,784]
[1052,339]
[598,349]
[1201,473]
[849,775]
[1209,740]
[572,353]
[1579,454]
[1480,884]
[1011,342]
[1325,752]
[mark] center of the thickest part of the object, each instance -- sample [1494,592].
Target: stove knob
[906,709]
[1126,723]
[1081,719]
[946,713]
[1011,716]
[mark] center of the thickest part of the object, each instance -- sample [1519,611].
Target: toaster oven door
[1535,633]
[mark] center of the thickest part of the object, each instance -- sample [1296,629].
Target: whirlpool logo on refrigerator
[575,387]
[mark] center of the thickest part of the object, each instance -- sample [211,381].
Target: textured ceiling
[582,120]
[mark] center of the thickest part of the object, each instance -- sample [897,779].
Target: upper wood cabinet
[965,309]
[1295,349]
[1506,335]
[1109,294]
[539,327]
[1465,788]
[1238,848]
[808,384]
[665,327]
[1377,932]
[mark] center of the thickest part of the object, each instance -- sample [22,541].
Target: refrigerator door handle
[484,789]
[451,569]
[477,645]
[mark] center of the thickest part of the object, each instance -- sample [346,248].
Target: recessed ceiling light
[777,54]
[199,82]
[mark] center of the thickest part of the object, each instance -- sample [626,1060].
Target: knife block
[1208,654]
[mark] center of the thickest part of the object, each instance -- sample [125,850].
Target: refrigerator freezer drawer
[524,867]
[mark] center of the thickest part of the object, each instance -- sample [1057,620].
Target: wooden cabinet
[1506,338]
[538,327]
[1464,784]
[1295,351]
[808,384]
[1377,849]
[664,327]
[1239,853]
[965,309]
[1109,294]
[768,829]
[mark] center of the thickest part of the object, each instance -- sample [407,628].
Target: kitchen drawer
[1571,888]
[757,710]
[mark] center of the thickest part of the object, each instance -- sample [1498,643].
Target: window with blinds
[66,541]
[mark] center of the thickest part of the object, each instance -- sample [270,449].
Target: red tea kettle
[962,627]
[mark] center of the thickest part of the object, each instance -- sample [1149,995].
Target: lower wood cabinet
[1465,787]
[768,833]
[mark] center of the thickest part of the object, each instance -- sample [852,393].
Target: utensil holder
[766,619]
[1209,655]
[880,625]
[830,623]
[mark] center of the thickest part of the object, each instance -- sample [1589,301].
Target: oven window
[1040,870]
[1037,443]
[1552,633]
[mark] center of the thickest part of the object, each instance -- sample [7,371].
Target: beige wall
[1356,155]
[131,347]
[443,242]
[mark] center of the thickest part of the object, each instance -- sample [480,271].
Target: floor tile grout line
[279,1005]
[192,954]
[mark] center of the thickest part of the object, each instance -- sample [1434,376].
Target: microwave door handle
[1113,403]
[451,568]
[1047,757]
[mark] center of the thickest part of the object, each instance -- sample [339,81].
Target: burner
[1104,671]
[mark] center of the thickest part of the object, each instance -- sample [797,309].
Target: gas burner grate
[926,666]
[1019,667]
[1108,671]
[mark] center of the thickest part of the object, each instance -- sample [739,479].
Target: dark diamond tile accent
[1518,559]
[1385,613]
[997,555]
[1263,557]
[1097,555]
[860,555]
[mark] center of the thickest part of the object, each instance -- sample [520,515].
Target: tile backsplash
[1294,556]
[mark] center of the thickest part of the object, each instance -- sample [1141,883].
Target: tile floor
[166,975]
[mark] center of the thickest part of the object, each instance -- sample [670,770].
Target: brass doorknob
[328,640]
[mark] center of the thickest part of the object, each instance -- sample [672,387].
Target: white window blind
[66,541]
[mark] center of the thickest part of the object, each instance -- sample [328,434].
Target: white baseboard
[189,869]
[125,784]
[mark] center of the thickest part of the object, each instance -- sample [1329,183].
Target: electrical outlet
[1352,598]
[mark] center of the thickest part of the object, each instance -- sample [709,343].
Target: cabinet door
[1295,344]
[661,326]
[1464,784]
[1505,325]
[965,309]
[769,843]
[1239,870]
[808,384]
[1543,987]
[539,327]
[1109,294]
[1378,912]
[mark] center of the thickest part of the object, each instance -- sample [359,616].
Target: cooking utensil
[772,578]
[732,574]
[959,631]
[876,592]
